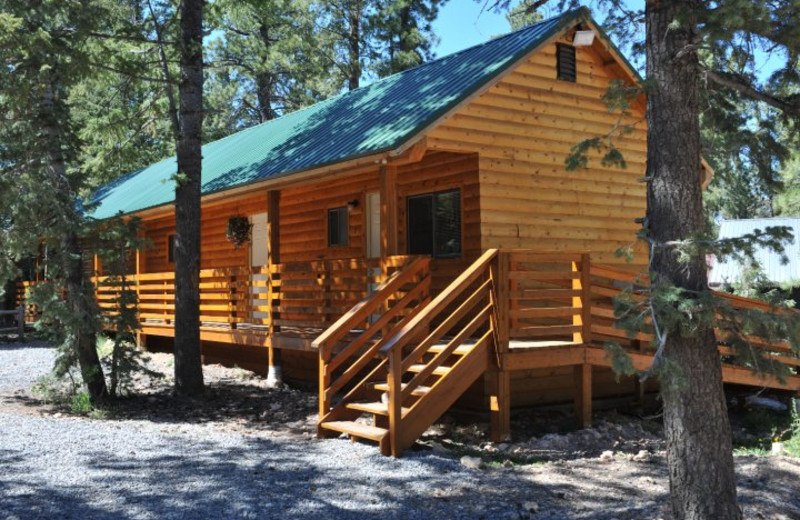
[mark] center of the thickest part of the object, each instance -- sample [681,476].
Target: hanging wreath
[239,229]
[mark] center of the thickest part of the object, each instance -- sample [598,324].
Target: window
[171,248]
[434,224]
[338,226]
[565,62]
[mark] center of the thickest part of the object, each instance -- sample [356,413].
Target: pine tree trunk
[699,452]
[354,44]
[188,363]
[79,298]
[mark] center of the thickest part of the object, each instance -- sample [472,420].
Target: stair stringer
[443,394]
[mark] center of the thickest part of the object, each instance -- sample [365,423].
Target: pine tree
[45,53]
[347,43]
[523,15]
[188,361]
[264,63]
[403,34]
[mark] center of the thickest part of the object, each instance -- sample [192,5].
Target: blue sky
[464,23]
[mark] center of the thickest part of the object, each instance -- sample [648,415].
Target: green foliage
[116,242]
[523,14]
[787,202]
[618,98]
[403,35]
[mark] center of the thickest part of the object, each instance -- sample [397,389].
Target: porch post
[141,339]
[275,374]
[388,196]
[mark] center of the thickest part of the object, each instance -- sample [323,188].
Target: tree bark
[264,83]
[699,451]
[354,44]
[79,297]
[188,362]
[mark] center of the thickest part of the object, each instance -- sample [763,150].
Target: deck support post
[499,404]
[388,197]
[499,379]
[275,371]
[583,395]
[394,380]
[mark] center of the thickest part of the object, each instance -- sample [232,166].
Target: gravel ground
[56,466]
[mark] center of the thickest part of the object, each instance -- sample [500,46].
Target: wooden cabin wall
[304,210]
[304,216]
[523,128]
[215,249]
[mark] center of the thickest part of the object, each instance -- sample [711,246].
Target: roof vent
[565,62]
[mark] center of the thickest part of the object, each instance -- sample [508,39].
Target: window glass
[171,248]
[434,224]
[447,239]
[338,226]
[420,225]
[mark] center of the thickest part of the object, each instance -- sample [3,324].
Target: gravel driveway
[63,467]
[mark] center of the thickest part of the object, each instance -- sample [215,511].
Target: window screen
[434,224]
[338,226]
[565,62]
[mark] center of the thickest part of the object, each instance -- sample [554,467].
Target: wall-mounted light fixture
[351,205]
[583,38]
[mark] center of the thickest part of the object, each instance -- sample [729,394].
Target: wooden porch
[390,347]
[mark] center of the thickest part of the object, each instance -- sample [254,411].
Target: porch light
[351,205]
[583,38]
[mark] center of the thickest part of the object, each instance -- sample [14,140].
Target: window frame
[433,196]
[345,237]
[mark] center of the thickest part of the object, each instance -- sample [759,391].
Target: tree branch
[745,88]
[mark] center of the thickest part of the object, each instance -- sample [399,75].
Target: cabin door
[258,258]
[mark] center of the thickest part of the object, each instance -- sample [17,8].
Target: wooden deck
[378,330]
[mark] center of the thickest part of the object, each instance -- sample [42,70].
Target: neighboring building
[781,270]
[376,217]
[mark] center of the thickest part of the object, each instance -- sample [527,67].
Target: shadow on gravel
[28,345]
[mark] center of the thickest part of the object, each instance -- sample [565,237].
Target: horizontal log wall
[215,249]
[523,128]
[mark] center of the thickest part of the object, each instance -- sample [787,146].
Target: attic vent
[565,62]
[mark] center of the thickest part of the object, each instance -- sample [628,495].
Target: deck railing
[549,296]
[608,282]
[293,295]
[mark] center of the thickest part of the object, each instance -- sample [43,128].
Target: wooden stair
[425,358]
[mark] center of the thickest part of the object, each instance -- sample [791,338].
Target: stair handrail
[413,328]
[363,309]
[416,270]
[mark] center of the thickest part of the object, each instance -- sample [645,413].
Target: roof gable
[377,118]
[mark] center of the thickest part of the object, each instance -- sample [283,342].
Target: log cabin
[418,242]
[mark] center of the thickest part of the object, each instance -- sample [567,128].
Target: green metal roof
[375,118]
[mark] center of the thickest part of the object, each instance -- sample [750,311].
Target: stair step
[364,431]
[460,350]
[438,371]
[377,407]
[418,391]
